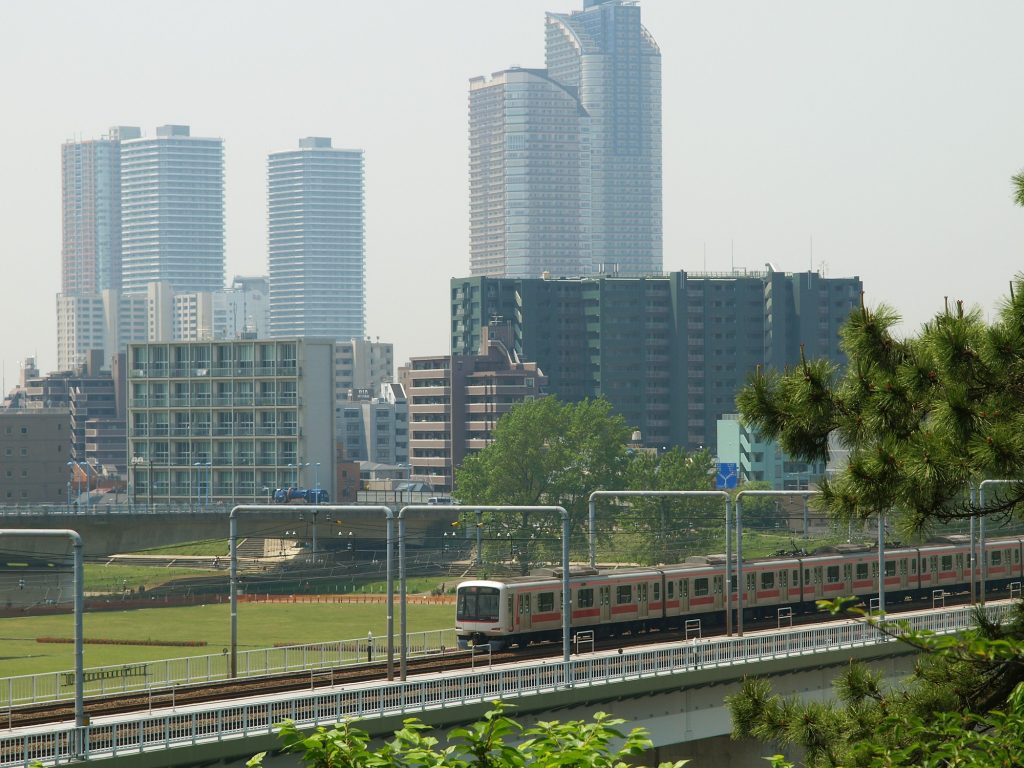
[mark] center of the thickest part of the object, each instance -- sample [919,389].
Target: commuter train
[520,610]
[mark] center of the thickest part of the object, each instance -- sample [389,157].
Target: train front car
[480,614]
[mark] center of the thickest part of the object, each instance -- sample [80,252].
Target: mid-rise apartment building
[668,352]
[229,420]
[362,366]
[455,401]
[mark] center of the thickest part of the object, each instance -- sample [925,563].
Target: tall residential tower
[565,162]
[172,211]
[316,241]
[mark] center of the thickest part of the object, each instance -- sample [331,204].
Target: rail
[50,687]
[207,724]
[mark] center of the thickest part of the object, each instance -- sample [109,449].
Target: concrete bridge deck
[687,676]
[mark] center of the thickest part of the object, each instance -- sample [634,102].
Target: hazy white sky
[886,131]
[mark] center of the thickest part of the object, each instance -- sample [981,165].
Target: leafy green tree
[667,530]
[497,741]
[545,452]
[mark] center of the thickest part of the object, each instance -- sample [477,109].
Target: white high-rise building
[316,241]
[529,149]
[172,211]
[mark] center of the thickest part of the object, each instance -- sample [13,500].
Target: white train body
[520,610]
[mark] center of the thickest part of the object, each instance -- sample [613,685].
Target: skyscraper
[565,162]
[529,177]
[316,241]
[172,211]
[90,240]
[607,54]
[91,207]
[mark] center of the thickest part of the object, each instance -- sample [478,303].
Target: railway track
[451,661]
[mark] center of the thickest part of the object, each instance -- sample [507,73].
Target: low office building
[375,429]
[34,456]
[229,421]
[760,460]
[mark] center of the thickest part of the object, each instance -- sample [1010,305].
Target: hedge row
[113,641]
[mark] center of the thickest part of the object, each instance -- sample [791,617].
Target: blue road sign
[727,477]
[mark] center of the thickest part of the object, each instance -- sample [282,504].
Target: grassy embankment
[259,626]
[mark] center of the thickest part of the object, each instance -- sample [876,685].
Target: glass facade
[316,241]
[529,177]
[565,162]
[605,52]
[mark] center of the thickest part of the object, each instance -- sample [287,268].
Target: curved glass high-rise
[316,241]
[606,54]
[565,162]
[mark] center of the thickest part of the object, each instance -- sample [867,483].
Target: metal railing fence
[47,687]
[233,721]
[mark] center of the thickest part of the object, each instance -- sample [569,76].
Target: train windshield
[477,604]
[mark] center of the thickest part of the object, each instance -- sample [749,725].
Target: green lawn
[113,578]
[259,626]
[208,548]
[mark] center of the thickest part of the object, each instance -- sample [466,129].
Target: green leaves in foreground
[497,741]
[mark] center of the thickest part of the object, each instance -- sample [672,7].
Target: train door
[525,622]
[933,567]
[605,599]
[817,581]
[684,595]
[750,595]
[510,613]
[641,601]
[718,585]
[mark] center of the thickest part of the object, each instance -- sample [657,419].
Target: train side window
[545,602]
[657,590]
[767,580]
[947,562]
[997,557]
[913,565]
[796,578]
[670,588]
[832,574]
[684,588]
[862,571]
[807,575]
[924,564]
[624,594]
[1016,555]
[890,567]
[585,598]
[700,587]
